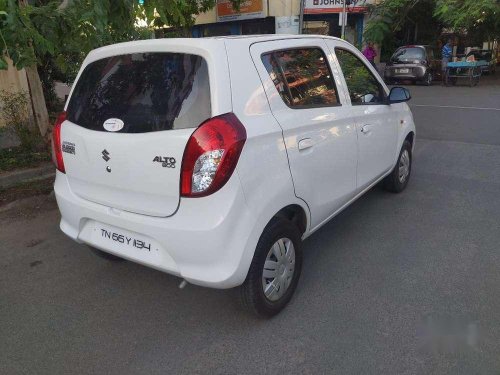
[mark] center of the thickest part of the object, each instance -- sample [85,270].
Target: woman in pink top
[370,53]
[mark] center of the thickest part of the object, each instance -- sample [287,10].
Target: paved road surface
[397,284]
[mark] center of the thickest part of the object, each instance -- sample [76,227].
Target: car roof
[415,46]
[206,42]
[264,37]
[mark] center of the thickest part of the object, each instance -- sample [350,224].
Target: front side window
[363,87]
[302,77]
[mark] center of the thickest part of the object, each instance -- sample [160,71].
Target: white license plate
[117,238]
[403,70]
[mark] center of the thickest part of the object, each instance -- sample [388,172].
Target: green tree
[388,17]
[396,22]
[56,35]
[480,18]
[55,27]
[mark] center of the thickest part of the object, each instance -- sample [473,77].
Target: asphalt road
[396,284]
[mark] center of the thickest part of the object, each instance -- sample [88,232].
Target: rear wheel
[105,255]
[275,269]
[397,180]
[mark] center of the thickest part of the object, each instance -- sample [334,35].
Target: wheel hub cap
[278,269]
[404,166]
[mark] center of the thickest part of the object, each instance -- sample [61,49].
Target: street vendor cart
[470,70]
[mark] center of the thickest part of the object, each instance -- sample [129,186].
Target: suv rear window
[147,91]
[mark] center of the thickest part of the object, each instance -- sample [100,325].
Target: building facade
[282,17]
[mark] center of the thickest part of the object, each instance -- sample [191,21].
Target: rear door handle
[305,143]
[366,129]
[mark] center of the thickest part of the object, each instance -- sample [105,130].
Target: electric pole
[344,17]
[301,16]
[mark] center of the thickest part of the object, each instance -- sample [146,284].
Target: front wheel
[428,79]
[397,180]
[275,269]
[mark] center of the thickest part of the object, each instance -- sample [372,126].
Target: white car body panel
[135,183]
[376,125]
[210,241]
[263,165]
[324,173]
[132,181]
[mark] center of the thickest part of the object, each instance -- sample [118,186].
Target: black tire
[105,255]
[252,294]
[393,182]
[427,79]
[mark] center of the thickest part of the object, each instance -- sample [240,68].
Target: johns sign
[334,6]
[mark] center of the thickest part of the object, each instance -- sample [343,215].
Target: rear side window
[147,91]
[302,77]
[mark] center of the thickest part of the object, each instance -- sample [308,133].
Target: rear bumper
[414,72]
[208,242]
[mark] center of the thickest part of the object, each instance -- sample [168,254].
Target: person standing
[370,54]
[446,53]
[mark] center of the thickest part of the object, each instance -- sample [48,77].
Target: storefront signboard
[248,9]
[334,6]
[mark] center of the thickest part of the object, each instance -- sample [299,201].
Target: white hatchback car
[212,159]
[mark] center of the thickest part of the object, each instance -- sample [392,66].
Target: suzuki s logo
[105,155]
[113,125]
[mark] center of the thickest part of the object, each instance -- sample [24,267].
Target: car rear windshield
[147,91]
[409,53]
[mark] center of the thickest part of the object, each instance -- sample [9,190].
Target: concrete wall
[283,8]
[208,17]
[13,80]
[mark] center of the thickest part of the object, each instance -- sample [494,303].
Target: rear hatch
[128,121]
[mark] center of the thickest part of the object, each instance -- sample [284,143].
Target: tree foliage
[479,17]
[387,18]
[68,30]
[476,17]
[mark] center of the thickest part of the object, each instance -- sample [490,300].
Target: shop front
[251,18]
[324,17]
[282,16]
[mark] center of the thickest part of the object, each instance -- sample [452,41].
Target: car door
[307,99]
[376,121]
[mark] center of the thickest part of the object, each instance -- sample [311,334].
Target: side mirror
[398,95]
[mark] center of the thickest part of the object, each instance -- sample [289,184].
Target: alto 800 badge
[166,161]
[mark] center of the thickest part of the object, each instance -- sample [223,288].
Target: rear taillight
[57,156]
[211,155]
